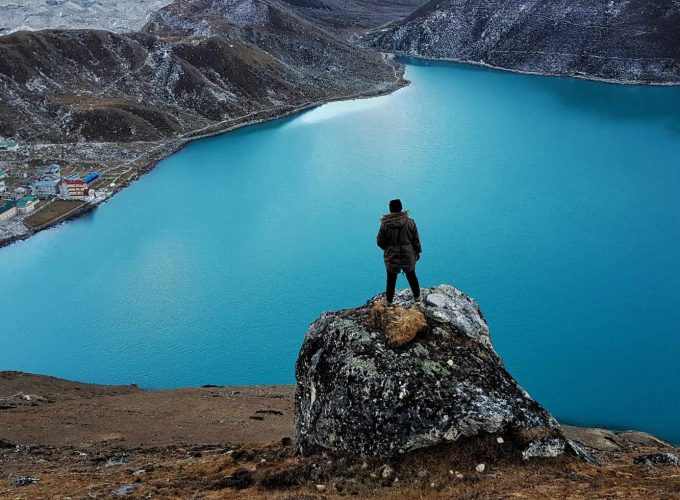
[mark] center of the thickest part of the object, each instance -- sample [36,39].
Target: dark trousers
[392,284]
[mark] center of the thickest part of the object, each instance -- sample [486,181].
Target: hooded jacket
[399,240]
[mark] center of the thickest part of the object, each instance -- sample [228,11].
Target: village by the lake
[44,185]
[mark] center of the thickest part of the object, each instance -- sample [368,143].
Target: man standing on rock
[399,240]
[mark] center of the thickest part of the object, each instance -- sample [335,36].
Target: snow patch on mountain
[113,15]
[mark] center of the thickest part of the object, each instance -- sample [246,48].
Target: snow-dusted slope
[113,15]
[631,40]
[198,64]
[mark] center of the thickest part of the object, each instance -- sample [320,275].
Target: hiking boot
[418,301]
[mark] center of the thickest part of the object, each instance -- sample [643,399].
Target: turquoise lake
[553,202]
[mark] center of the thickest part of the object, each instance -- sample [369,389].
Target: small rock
[25,481]
[422,473]
[320,488]
[263,461]
[126,489]
[117,460]
[139,472]
[373,475]
[432,485]
[657,459]
[459,475]
[500,440]
[33,397]
[314,471]
[364,466]
[480,468]
[450,362]
[387,472]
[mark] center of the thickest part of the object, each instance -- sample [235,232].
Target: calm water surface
[553,202]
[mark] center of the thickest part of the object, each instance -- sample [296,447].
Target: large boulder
[378,381]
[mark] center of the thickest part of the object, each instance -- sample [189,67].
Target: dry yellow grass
[401,325]
[52,213]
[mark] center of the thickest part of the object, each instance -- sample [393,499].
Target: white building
[8,210]
[46,187]
[53,170]
[3,187]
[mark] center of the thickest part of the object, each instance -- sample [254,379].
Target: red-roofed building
[70,187]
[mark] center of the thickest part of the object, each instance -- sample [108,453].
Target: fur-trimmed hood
[399,217]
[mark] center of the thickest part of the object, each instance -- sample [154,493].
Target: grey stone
[358,395]
[25,481]
[657,459]
[387,472]
[116,460]
[126,489]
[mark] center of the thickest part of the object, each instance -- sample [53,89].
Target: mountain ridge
[625,42]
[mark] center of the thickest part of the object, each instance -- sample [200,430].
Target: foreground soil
[90,441]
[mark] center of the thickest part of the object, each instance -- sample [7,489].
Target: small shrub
[400,325]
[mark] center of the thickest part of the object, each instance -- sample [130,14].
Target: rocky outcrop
[608,440]
[654,459]
[631,41]
[359,392]
[350,16]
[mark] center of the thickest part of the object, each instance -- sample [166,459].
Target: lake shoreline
[148,161]
[481,64]
[163,150]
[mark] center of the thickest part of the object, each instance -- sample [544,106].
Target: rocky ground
[89,441]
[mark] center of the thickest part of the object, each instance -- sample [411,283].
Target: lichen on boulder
[378,381]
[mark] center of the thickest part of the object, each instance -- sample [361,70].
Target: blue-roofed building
[91,177]
[8,145]
[27,204]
